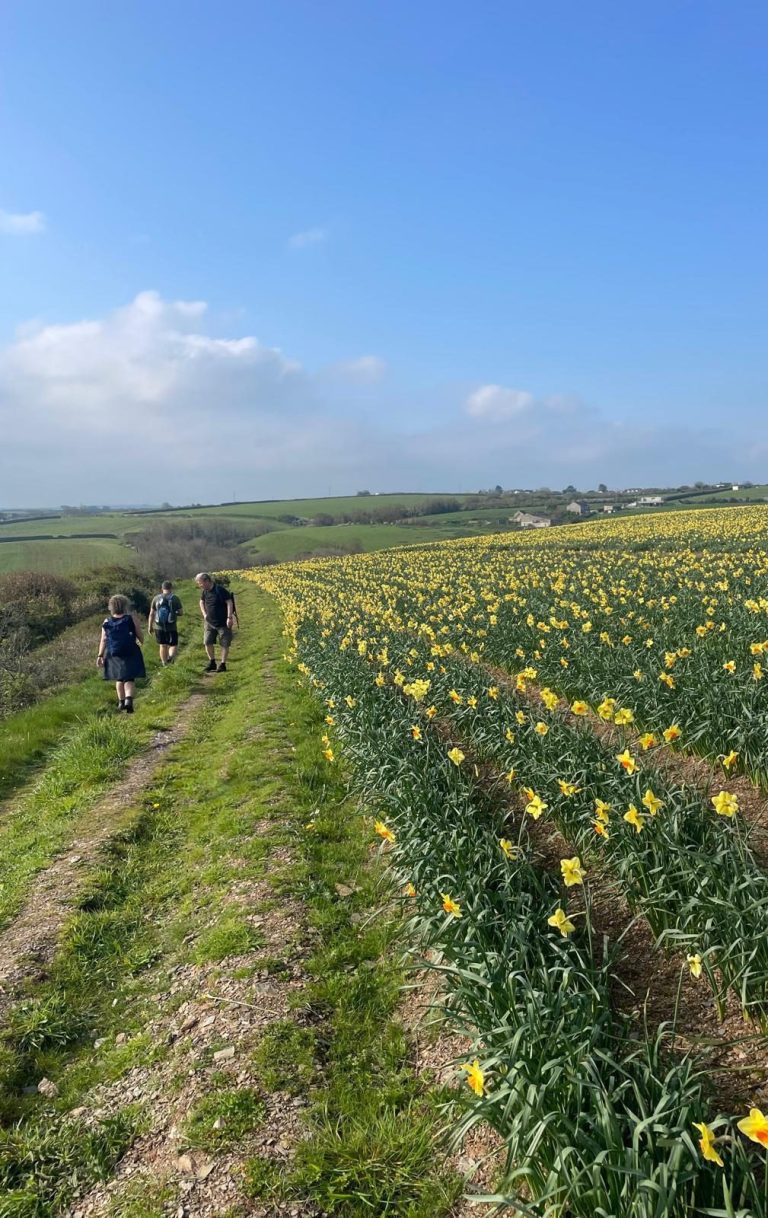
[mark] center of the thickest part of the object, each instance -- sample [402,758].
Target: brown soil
[28,943]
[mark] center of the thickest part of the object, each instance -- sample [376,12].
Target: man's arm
[202,607]
[230,612]
[179,607]
[151,622]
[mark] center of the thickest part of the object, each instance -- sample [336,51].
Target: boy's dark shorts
[166,636]
[220,634]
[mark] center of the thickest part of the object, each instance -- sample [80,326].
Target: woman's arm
[102,648]
[137,626]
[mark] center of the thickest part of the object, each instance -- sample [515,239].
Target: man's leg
[164,653]
[225,639]
[208,636]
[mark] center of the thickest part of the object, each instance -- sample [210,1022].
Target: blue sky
[441,245]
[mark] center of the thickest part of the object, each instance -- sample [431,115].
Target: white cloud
[310,236]
[497,402]
[365,370]
[21,223]
[149,403]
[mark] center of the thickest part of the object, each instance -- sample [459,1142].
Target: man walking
[217,606]
[163,617]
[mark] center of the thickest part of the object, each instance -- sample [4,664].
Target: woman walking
[119,651]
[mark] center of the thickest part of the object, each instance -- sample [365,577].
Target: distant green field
[63,557]
[116,523]
[307,508]
[748,495]
[288,543]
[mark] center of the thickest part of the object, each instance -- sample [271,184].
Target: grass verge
[372,1146]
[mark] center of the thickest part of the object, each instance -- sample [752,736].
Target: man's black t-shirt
[215,604]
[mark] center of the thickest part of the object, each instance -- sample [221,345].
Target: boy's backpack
[121,635]
[164,611]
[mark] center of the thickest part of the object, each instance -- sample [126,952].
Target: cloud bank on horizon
[146,404]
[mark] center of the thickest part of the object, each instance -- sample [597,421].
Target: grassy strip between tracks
[253,755]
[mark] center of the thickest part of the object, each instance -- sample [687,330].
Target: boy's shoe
[222,668]
[210,667]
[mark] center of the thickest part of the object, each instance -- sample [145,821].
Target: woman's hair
[118,604]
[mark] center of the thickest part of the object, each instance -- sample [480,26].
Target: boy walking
[163,617]
[217,606]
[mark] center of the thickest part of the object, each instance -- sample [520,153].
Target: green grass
[223,1118]
[232,936]
[63,557]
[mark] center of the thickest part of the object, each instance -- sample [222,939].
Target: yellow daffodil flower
[694,964]
[475,1078]
[755,1126]
[561,921]
[652,802]
[707,1143]
[633,817]
[535,807]
[626,761]
[450,906]
[725,804]
[572,871]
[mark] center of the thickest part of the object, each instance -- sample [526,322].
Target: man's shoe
[121,705]
[210,667]
[128,708]
[222,668]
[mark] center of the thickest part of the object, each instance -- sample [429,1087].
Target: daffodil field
[517,712]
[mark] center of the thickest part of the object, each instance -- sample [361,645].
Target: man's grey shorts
[220,634]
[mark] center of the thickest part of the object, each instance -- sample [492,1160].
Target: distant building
[650,500]
[735,487]
[527,520]
[609,508]
[579,507]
